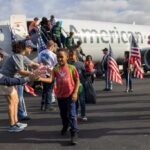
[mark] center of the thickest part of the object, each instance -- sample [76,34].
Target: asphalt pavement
[118,121]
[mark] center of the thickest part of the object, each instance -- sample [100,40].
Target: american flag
[114,74]
[135,58]
[29,89]
[41,45]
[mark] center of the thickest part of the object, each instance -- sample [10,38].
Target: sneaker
[131,90]
[50,109]
[84,118]
[25,118]
[74,140]
[15,128]
[109,90]
[21,125]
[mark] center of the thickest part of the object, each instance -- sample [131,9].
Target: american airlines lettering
[105,36]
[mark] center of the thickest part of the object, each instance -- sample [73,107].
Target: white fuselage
[95,36]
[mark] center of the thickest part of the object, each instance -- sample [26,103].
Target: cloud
[126,11]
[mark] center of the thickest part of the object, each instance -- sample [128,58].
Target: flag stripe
[136,57]
[114,74]
[29,89]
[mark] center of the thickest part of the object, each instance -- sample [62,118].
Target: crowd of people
[60,68]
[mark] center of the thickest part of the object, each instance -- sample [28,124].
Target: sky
[121,11]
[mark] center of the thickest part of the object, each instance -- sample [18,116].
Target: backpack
[71,70]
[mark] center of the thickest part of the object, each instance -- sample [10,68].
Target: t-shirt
[69,42]
[32,25]
[126,65]
[13,64]
[64,81]
[104,63]
[56,31]
[89,66]
[81,70]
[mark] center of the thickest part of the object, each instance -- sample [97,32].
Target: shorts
[7,90]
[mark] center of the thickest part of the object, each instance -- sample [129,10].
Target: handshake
[42,71]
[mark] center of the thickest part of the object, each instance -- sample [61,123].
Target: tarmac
[118,121]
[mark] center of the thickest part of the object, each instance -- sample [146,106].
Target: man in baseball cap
[105,49]
[104,66]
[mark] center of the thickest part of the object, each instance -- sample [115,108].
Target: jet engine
[146,60]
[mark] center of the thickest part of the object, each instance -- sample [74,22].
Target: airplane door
[18,26]
[5,38]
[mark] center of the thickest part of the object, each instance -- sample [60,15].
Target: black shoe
[74,140]
[106,89]
[25,118]
[64,131]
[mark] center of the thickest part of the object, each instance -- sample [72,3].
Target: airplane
[95,36]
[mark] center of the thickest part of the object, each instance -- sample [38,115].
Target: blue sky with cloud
[125,11]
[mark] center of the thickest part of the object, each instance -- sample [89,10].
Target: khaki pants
[12,99]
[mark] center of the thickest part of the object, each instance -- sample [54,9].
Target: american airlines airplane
[94,35]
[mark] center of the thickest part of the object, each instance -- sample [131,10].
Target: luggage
[90,94]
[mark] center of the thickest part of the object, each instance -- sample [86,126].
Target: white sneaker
[21,125]
[84,118]
[15,128]
[131,90]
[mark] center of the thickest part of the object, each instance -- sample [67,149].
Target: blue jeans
[108,83]
[81,103]
[47,94]
[128,87]
[68,114]
[22,112]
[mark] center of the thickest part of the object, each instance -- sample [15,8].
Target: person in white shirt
[48,58]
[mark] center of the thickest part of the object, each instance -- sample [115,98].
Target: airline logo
[106,36]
